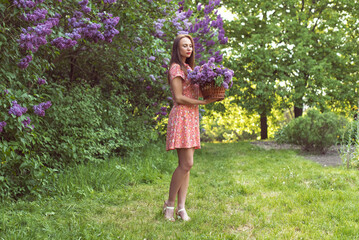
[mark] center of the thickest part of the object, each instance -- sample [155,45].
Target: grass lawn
[237,191]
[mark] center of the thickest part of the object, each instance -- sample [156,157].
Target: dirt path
[331,158]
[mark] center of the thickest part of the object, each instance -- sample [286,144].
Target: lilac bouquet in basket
[209,72]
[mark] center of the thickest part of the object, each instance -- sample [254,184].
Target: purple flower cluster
[27,3]
[24,63]
[207,33]
[16,109]
[110,30]
[37,15]
[26,123]
[2,125]
[33,37]
[84,28]
[84,6]
[40,109]
[158,26]
[163,111]
[210,72]
[6,91]
[41,81]
[63,43]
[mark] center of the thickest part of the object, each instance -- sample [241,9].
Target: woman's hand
[210,100]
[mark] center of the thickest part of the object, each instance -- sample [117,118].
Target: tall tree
[297,46]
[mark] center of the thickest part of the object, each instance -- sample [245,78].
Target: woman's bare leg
[180,179]
[182,192]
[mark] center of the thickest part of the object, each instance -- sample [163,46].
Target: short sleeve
[176,71]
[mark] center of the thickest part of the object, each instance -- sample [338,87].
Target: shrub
[314,131]
[83,126]
[349,145]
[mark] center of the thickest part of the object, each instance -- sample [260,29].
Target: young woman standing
[183,123]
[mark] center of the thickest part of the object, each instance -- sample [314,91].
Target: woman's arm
[179,98]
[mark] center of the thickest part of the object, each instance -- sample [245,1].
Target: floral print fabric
[183,120]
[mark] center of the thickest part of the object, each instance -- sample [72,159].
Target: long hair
[176,56]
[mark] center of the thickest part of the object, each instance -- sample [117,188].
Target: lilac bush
[210,72]
[96,26]
[208,33]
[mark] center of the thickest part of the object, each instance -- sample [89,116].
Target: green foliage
[349,145]
[314,131]
[83,126]
[302,51]
[225,121]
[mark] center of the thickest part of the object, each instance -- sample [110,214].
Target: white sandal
[165,208]
[180,217]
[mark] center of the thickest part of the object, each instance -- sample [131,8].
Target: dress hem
[195,147]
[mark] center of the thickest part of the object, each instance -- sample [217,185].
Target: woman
[183,123]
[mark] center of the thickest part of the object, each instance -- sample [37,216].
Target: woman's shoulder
[175,66]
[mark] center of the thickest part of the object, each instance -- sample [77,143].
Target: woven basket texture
[210,90]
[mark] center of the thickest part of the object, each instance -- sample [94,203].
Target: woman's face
[185,46]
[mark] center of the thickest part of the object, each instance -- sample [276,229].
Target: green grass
[237,191]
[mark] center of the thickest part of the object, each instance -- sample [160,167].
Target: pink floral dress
[183,121]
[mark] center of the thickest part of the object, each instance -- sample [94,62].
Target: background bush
[314,131]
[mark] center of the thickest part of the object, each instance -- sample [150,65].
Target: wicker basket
[210,90]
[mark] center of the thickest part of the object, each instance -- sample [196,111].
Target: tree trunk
[72,69]
[298,111]
[264,126]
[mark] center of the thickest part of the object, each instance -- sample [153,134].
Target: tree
[293,49]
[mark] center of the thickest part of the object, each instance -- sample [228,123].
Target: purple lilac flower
[41,81]
[27,3]
[180,9]
[187,24]
[218,57]
[37,15]
[210,43]
[189,13]
[199,7]
[24,63]
[40,109]
[208,9]
[63,43]
[148,88]
[16,109]
[26,123]
[2,125]
[110,30]
[33,37]
[152,58]
[169,99]
[209,73]
[182,32]
[6,91]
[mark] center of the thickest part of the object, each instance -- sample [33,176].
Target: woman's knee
[185,157]
[186,166]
